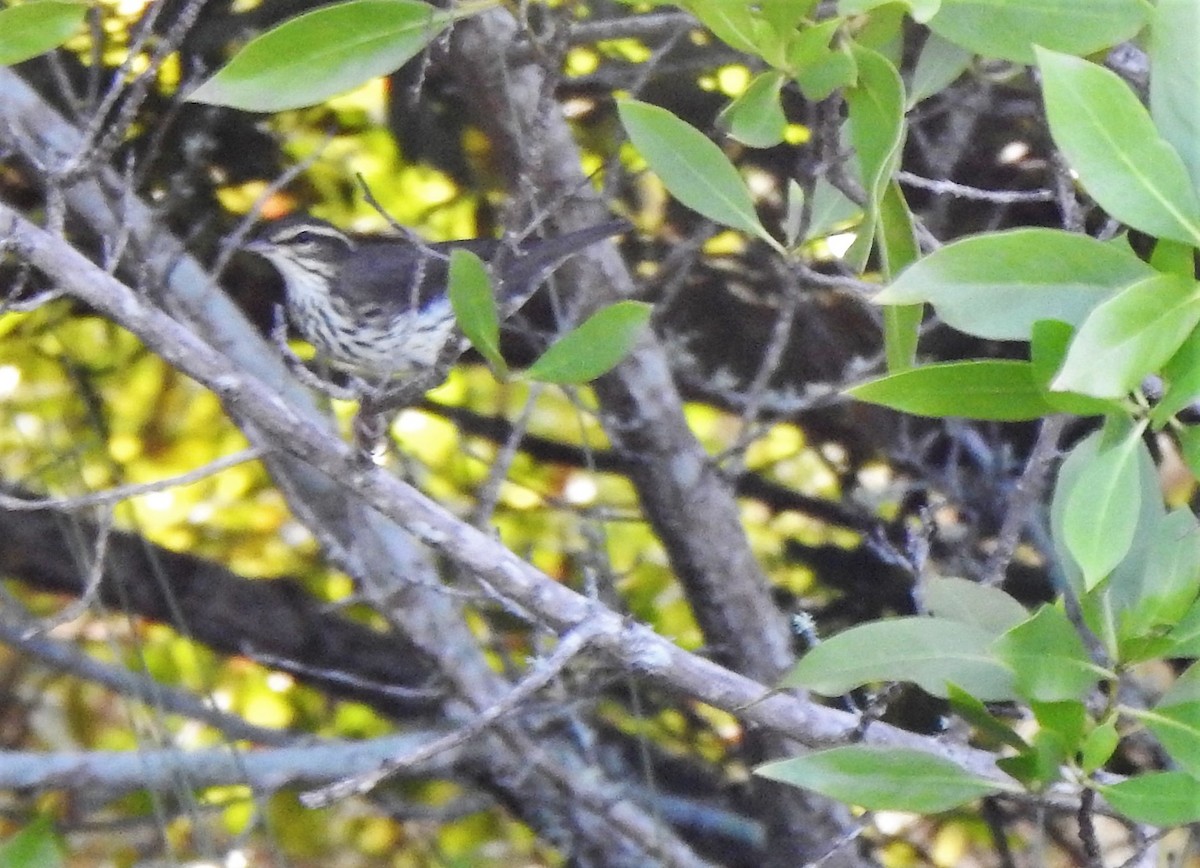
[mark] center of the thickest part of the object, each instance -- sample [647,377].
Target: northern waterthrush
[378,307]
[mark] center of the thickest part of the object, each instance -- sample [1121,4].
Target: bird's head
[308,252]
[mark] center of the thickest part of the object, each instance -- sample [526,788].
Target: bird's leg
[397,396]
[369,429]
[300,370]
[380,402]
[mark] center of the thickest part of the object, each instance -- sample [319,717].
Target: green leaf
[1100,605]
[1048,657]
[831,210]
[1173,257]
[474,306]
[1067,719]
[939,65]
[981,606]
[786,15]
[882,779]
[793,219]
[756,117]
[1189,443]
[930,652]
[810,47]
[875,106]
[817,81]
[1175,720]
[1099,746]
[883,31]
[1101,511]
[1040,764]
[921,10]
[999,284]
[1157,798]
[36,844]
[1185,638]
[1078,459]
[736,24]
[323,53]
[1175,84]
[692,168]
[1182,375]
[595,347]
[976,713]
[898,249]
[1009,28]
[1129,335]
[35,28]
[1156,584]
[1047,351]
[999,390]
[1110,141]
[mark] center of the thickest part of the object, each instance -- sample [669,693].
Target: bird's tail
[537,259]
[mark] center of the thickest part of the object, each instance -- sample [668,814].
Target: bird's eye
[304,237]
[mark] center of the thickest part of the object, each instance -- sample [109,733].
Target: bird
[378,307]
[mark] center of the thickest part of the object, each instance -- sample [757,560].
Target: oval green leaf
[875,108]
[1182,373]
[1184,640]
[1098,746]
[693,169]
[929,652]
[1109,139]
[1009,28]
[595,347]
[323,53]
[1157,798]
[939,65]
[34,28]
[836,69]
[1102,508]
[1153,588]
[981,606]
[738,25]
[898,249]
[1048,657]
[474,305]
[882,779]
[1003,391]
[876,118]
[1175,720]
[998,285]
[756,117]
[1047,352]
[1176,79]
[1130,335]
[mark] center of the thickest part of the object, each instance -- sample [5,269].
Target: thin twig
[781,331]
[64,657]
[571,645]
[963,191]
[1026,493]
[335,676]
[125,492]
[488,494]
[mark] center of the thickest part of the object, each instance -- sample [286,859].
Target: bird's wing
[397,271]
[383,271]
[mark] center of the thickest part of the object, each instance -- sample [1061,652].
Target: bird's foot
[380,403]
[369,430]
